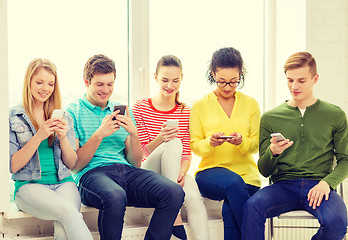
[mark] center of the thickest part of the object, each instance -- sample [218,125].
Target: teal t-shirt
[87,119]
[49,173]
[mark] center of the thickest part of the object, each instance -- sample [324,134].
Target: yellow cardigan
[208,117]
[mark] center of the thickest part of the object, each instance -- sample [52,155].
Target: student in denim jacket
[42,150]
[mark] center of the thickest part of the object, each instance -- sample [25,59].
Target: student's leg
[99,188]
[196,212]
[270,201]
[42,202]
[148,189]
[223,184]
[166,159]
[332,217]
[70,192]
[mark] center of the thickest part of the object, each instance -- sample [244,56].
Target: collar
[92,107]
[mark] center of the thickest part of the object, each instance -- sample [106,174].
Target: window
[67,33]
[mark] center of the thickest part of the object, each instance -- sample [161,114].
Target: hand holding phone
[122,111]
[279,136]
[225,137]
[172,123]
[58,113]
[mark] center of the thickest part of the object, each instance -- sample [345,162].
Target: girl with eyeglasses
[224,129]
[42,150]
[166,146]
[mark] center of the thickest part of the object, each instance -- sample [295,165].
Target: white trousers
[166,160]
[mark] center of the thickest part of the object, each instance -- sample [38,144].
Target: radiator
[294,229]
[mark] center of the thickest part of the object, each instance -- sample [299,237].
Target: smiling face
[100,89]
[300,83]
[169,80]
[42,86]
[226,75]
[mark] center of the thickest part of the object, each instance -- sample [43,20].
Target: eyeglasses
[223,84]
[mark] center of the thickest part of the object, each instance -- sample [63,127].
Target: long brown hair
[54,101]
[169,61]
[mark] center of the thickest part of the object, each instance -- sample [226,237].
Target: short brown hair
[301,59]
[98,64]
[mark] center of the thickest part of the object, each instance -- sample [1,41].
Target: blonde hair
[54,101]
[301,59]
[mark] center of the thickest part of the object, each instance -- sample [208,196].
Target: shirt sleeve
[250,144]
[340,137]
[14,145]
[267,163]
[74,123]
[186,154]
[141,127]
[200,145]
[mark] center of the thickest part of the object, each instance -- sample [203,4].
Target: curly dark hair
[226,58]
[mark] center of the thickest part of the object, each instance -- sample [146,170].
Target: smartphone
[279,136]
[172,123]
[58,113]
[225,137]
[122,109]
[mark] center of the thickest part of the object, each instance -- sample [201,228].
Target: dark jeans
[111,188]
[223,184]
[288,195]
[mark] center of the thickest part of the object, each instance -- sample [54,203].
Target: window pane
[193,30]
[68,33]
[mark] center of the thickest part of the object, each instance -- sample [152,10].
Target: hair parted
[53,102]
[301,59]
[171,61]
[228,57]
[98,64]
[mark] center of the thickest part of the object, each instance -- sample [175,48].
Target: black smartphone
[122,109]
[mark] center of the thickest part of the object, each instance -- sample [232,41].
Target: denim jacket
[21,131]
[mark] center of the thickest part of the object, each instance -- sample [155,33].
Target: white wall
[4,175]
[327,40]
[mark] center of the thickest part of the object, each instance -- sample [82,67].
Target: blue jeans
[111,188]
[288,195]
[58,202]
[223,184]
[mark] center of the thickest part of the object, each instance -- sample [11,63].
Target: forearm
[23,156]
[154,143]
[201,148]
[69,156]
[86,152]
[134,153]
[267,163]
[338,174]
[185,165]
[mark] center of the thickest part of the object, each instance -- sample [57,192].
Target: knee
[251,206]
[192,199]
[175,195]
[337,222]
[175,144]
[114,199]
[68,211]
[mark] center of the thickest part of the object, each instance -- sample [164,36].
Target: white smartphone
[225,137]
[58,113]
[279,136]
[172,123]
